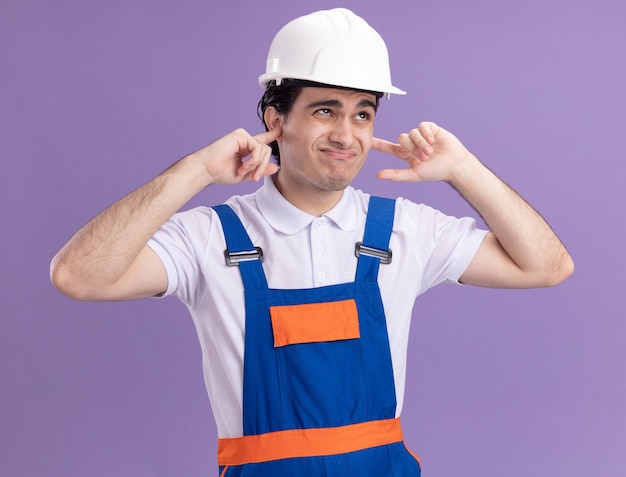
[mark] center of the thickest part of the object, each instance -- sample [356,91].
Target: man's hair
[284,95]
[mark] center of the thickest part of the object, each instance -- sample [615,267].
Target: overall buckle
[233,259]
[383,255]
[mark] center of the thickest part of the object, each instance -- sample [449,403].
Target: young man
[301,308]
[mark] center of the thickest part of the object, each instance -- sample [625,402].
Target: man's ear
[272,118]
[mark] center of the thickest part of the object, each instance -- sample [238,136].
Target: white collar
[285,217]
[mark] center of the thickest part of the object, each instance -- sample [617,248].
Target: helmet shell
[333,47]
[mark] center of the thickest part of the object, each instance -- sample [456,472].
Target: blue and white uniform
[317,362]
[303,252]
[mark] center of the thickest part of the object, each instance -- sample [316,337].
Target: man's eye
[324,111]
[363,116]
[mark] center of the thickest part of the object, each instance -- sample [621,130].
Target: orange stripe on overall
[307,442]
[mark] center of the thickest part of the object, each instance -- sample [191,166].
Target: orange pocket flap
[315,322]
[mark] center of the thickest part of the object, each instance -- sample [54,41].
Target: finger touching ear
[269,136]
[389,147]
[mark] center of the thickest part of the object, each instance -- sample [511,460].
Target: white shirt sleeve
[442,246]
[181,244]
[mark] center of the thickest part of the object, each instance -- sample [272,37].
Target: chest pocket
[315,322]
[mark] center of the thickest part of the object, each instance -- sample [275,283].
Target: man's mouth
[339,154]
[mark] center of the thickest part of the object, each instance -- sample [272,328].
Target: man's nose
[341,132]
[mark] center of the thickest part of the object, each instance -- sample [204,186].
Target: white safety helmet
[333,47]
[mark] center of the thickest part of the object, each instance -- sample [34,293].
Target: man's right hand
[225,159]
[108,258]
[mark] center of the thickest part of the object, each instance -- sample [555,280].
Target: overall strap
[240,251]
[375,246]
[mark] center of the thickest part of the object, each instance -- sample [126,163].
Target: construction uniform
[306,256]
[318,393]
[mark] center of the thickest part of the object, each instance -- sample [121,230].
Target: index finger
[269,136]
[389,147]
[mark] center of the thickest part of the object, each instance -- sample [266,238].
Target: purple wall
[98,97]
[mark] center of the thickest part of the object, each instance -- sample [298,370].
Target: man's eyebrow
[331,103]
[366,103]
[335,103]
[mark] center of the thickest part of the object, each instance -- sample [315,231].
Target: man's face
[325,139]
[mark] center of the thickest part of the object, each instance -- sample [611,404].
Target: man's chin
[336,183]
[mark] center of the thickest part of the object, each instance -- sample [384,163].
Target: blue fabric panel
[378,227]
[237,240]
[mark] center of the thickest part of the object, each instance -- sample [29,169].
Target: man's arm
[108,259]
[521,251]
